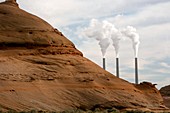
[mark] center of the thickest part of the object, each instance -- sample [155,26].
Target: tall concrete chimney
[104,64]
[117,67]
[136,70]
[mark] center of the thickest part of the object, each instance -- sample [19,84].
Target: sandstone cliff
[41,69]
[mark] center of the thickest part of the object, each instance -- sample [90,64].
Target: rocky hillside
[165,92]
[40,69]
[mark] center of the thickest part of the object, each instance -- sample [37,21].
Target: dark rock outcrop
[165,92]
[41,69]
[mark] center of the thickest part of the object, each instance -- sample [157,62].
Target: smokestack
[136,70]
[104,65]
[117,67]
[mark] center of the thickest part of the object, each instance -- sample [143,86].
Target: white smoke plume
[116,36]
[94,30]
[131,33]
[104,44]
[101,32]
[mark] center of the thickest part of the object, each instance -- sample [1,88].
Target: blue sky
[150,17]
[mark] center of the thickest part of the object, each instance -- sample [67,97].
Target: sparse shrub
[32,111]
[23,112]
[12,111]
[52,112]
[134,111]
[112,111]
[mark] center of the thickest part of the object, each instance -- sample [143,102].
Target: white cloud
[149,15]
[66,12]
[165,65]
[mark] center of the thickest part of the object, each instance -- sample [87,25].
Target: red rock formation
[41,69]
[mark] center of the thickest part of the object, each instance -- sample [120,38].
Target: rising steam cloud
[99,31]
[103,31]
[116,36]
[104,44]
[131,33]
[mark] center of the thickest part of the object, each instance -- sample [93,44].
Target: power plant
[105,31]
